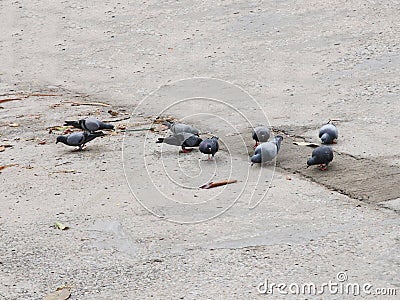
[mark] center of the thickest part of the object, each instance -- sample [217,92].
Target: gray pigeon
[321,156]
[267,151]
[328,133]
[78,138]
[89,124]
[209,146]
[261,134]
[183,139]
[180,127]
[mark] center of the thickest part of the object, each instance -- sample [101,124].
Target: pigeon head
[215,138]
[62,139]
[256,159]
[310,162]
[326,138]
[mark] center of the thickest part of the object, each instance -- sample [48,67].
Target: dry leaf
[218,183]
[60,226]
[288,177]
[55,105]
[121,126]
[58,128]
[2,148]
[13,124]
[42,143]
[159,120]
[113,113]
[62,293]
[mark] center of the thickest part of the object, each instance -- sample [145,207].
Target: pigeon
[267,151]
[180,127]
[78,138]
[183,139]
[89,124]
[328,133]
[321,156]
[260,135]
[209,146]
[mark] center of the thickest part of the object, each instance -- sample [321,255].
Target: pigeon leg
[323,168]
[209,157]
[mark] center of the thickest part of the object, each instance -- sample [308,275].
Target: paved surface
[304,62]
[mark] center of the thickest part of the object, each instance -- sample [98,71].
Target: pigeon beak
[307,166]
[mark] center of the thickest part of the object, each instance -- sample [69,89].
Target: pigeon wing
[177,139]
[92,124]
[76,139]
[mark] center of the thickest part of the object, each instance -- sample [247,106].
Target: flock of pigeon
[90,126]
[186,136]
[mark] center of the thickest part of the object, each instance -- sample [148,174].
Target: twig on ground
[75,103]
[117,120]
[218,183]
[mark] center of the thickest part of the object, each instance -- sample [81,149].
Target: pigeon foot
[186,150]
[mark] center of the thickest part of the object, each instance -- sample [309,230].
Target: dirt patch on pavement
[359,178]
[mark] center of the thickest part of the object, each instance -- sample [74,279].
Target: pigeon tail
[91,136]
[73,123]
[107,126]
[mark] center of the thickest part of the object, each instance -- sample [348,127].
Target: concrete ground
[303,62]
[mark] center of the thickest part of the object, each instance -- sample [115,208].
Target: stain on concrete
[359,178]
